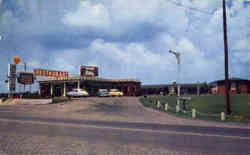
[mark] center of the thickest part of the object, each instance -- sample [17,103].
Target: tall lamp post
[177,55]
[226,56]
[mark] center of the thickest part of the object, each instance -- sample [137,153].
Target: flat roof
[170,85]
[234,79]
[96,79]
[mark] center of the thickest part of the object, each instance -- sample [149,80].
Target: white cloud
[186,47]
[236,6]
[204,5]
[134,11]
[242,56]
[194,62]
[119,16]
[89,14]
[242,44]
[131,53]
[241,51]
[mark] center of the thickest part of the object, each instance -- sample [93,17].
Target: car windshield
[103,90]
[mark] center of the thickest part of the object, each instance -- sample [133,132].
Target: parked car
[115,92]
[78,93]
[103,93]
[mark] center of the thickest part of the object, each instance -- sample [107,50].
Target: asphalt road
[24,134]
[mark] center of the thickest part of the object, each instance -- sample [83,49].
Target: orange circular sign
[16,59]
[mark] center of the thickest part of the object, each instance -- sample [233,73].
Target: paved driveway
[125,109]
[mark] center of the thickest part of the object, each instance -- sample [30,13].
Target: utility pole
[226,57]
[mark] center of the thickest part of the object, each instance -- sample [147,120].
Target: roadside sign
[50,73]
[26,78]
[12,70]
[89,71]
[12,84]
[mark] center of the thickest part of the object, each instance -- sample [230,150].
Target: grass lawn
[208,104]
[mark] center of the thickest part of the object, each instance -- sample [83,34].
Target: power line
[191,8]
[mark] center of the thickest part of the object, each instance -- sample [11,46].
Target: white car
[78,93]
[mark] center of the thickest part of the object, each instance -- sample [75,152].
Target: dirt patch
[108,108]
[101,107]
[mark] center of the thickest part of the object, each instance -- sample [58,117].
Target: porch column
[128,91]
[84,87]
[51,89]
[64,89]
[178,90]
[78,84]
[30,88]
[134,90]
[39,89]
[198,90]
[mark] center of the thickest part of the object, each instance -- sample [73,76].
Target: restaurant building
[59,86]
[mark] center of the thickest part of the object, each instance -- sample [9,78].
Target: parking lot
[125,109]
[113,125]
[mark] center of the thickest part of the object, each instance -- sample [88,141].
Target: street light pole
[226,57]
[177,55]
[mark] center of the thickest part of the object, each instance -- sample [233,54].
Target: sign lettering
[50,73]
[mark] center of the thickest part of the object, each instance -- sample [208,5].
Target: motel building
[171,89]
[237,86]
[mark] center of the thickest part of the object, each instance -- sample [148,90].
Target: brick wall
[243,89]
[221,89]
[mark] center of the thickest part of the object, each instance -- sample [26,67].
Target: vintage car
[103,93]
[78,93]
[115,92]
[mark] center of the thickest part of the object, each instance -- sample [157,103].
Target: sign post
[11,78]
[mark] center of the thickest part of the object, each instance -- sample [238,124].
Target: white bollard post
[222,116]
[158,104]
[177,108]
[178,101]
[166,107]
[193,113]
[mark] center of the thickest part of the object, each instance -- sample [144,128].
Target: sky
[127,39]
